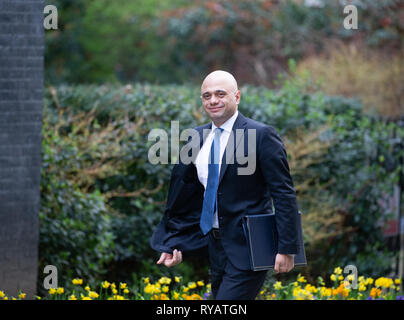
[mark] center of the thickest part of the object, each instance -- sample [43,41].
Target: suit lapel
[240,123]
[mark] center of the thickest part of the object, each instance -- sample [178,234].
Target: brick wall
[21,85]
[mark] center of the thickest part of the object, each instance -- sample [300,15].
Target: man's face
[220,99]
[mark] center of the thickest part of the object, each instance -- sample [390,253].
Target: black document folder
[262,239]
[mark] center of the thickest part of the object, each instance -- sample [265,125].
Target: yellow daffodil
[93,294]
[149,289]
[164,280]
[325,292]
[164,289]
[2,294]
[200,283]
[72,297]
[177,279]
[52,291]
[384,282]
[278,285]
[122,285]
[337,270]
[60,290]
[22,295]
[105,284]
[351,277]
[146,280]
[77,281]
[310,288]
[125,291]
[87,288]
[301,294]
[192,285]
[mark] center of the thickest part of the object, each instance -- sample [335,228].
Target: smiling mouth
[215,109]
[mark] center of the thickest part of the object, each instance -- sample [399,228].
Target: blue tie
[209,200]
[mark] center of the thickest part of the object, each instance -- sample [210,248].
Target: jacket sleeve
[179,226]
[275,168]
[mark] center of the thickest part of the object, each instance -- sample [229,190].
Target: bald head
[220,78]
[220,96]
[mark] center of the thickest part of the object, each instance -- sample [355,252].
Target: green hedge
[101,198]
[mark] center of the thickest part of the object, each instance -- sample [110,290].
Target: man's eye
[206,96]
[221,94]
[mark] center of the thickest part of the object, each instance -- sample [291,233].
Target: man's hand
[169,259]
[284,263]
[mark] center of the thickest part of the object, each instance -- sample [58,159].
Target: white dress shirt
[202,159]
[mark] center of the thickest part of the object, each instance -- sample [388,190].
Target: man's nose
[214,100]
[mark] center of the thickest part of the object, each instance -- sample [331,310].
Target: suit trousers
[229,282]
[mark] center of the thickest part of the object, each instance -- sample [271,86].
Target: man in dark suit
[208,197]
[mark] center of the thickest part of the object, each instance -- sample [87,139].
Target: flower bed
[343,288]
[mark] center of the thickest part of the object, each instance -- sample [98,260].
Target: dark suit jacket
[237,196]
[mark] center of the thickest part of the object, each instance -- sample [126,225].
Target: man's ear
[238,96]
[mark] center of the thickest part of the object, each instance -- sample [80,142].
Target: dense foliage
[176,41]
[101,198]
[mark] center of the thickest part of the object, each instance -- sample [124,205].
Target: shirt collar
[228,125]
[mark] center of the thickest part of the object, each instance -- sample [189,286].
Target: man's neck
[220,122]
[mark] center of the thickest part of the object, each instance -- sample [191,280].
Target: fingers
[179,255]
[283,263]
[176,258]
[169,259]
[161,258]
[164,256]
[277,265]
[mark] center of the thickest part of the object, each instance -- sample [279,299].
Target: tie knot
[219,130]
